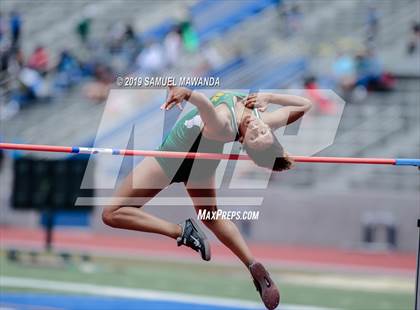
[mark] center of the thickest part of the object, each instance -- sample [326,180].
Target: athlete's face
[257,135]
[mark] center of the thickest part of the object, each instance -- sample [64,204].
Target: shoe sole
[207,252]
[269,293]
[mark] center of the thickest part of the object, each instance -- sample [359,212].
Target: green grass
[203,279]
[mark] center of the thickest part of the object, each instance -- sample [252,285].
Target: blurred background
[334,236]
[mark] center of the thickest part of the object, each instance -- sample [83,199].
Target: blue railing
[222,16]
[213,18]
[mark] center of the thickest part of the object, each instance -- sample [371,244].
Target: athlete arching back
[222,119]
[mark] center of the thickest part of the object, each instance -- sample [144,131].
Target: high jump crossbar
[210,156]
[214,156]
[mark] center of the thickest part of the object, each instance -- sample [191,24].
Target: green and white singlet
[186,136]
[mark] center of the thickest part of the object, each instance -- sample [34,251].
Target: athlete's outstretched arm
[294,107]
[209,116]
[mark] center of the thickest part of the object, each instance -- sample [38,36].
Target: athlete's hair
[273,157]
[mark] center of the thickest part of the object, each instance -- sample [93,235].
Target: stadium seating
[264,62]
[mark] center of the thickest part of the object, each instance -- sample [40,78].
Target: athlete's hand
[176,96]
[259,101]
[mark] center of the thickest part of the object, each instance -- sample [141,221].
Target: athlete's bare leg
[144,183]
[225,230]
[229,235]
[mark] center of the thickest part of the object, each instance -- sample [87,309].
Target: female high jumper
[225,117]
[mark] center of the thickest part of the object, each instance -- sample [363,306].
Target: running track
[138,245]
[28,301]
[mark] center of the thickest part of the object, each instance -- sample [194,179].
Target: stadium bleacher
[267,66]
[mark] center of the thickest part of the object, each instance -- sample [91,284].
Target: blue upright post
[417,271]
